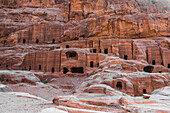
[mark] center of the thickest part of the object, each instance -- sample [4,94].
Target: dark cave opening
[77,70]
[119,85]
[148,69]
[65,70]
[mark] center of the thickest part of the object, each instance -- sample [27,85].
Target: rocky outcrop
[119,103]
[11,76]
[129,83]
[4,88]
[91,56]
[73,20]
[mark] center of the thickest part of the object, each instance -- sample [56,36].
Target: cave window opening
[65,70]
[97,64]
[91,64]
[148,69]
[0,64]
[125,57]
[162,63]
[39,67]
[94,50]
[153,62]
[72,55]
[30,68]
[119,85]
[106,51]
[52,70]
[144,91]
[160,71]
[67,46]
[82,36]
[4,41]
[77,70]
[7,80]
[24,41]
[76,38]
[168,65]
[6,66]
[53,41]
[37,41]
[100,50]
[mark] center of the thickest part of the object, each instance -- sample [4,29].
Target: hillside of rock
[84,56]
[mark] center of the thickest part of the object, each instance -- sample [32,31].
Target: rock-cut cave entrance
[53,41]
[153,62]
[24,41]
[4,41]
[77,70]
[83,36]
[148,69]
[105,51]
[125,57]
[65,70]
[72,55]
[144,91]
[37,41]
[91,64]
[67,46]
[94,50]
[39,67]
[53,70]
[29,68]
[119,85]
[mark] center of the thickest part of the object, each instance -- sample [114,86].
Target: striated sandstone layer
[84,56]
[57,21]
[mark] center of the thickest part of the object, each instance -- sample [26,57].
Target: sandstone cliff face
[87,19]
[100,53]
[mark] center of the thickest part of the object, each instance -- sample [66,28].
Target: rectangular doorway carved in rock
[67,46]
[65,70]
[53,70]
[53,41]
[37,41]
[39,67]
[106,51]
[24,41]
[77,70]
[94,50]
[125,57]
[144,91]
[91,64]
[153,62]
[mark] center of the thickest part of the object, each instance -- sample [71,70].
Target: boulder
[4,88]
[14,76]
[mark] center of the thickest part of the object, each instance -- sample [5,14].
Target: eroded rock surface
[84,56]
[4,88]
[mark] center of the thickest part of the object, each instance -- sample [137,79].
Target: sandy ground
[13,102]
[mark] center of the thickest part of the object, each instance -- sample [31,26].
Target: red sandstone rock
[63,42]
[15,77]
[146,96]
